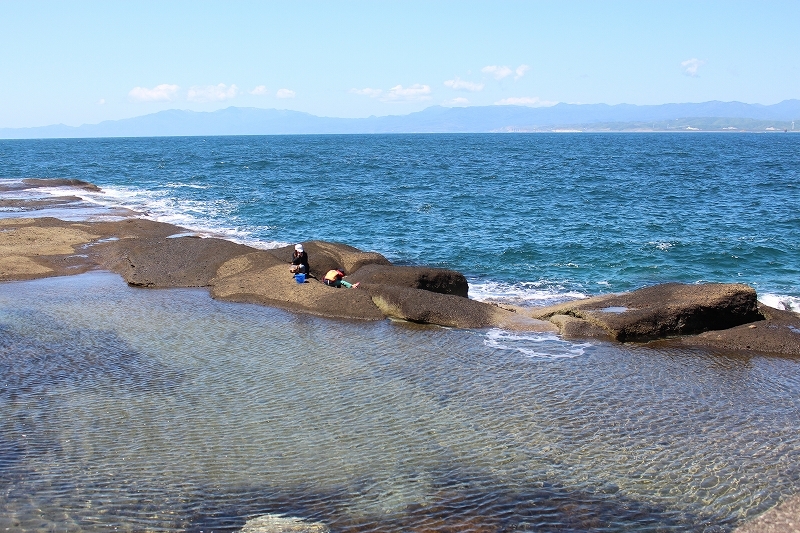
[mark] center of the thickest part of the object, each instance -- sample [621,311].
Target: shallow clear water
[164,410]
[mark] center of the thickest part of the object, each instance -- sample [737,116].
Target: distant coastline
[725,117]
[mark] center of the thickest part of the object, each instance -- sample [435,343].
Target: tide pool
[164,410]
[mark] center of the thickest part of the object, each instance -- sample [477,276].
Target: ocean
[165,410]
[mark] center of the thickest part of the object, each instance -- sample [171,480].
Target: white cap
[298,247]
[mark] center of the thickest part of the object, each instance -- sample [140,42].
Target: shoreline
[147,253]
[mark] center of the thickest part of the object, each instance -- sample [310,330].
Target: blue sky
[84,62]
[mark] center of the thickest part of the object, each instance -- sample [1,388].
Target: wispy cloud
[398,93]
[501,71]
[372,93]
[529,101]
[102,101]
[497,71]
[462,85]
[457,101]
[160,93]
[412,93]
[691,66]
[212,93]
[261,90]
[285,93]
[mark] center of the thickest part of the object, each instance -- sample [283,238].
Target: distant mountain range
[706,116]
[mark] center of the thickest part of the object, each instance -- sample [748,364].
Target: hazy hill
[596,117]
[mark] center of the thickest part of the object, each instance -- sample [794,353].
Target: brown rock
[324,256]
[576,328]
[428,279]
[662,310]
[33,183]
[778,333]
[425,307]
[36,248]
[259,277]
[165,262]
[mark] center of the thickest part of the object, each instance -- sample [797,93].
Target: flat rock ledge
[151,254]
[157,255]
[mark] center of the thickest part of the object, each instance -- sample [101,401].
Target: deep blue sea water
[525,217]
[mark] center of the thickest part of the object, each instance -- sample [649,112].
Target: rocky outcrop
[325,256]
[437,280]
[656,312]
[425,307]
[169,262]
[259,277]
[152,254]
[778,333]
[32,183]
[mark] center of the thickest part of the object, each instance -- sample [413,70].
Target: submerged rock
[784,518]
[273,523]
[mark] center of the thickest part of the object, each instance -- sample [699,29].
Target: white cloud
[212,93]
[413,93]
[102,101]
[461,85]
[372,93]
[261,90]
[534,101]
[457,101]
[690,66]
[501,71]
[159,93]
[497,71]
[285,93]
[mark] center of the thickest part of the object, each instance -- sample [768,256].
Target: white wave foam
[544,345]
[526,294]
[661,245]
[781,301]
[159,205]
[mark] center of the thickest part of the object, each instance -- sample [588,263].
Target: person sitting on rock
[334,279]
[299,260]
